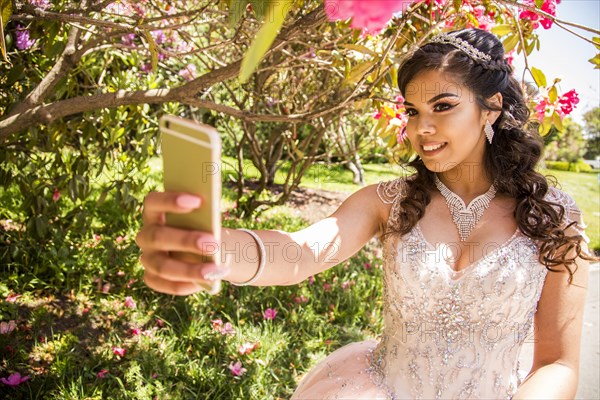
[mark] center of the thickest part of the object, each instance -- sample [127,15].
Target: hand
[162,271]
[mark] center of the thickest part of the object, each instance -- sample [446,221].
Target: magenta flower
[56,195]
[549,7]
[568,101]
[311,280]
[14,380]
[24,42]
[135,331]
[367,265]
[237,369]
[370,15]
[326,287]
[119,351]
[270,314]
[102,373]
[129,302]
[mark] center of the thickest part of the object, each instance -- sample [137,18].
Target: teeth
[435,147]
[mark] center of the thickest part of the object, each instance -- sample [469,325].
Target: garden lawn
[98,332]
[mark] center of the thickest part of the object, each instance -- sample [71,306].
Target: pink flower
[43,4]
[568,101]
[549,7]
[217,325]
[135,331]
[188,73]
[370,15]
[128,40]
[7,327]
[119,239]
[347,284]
[300,299]
[14,380]
[102,373]
[326,287]
[160,323]
[56,195]
[23,40]
[119,351]
[237,369]
[311,280]
[367,265]
[106,287]
[510,57]
[129,302]
[12,298]
[247,348]
[227,329]
[270,314]
[97,238]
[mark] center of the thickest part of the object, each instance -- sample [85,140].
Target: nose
[425,125]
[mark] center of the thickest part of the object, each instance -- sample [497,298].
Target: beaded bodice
[455,335]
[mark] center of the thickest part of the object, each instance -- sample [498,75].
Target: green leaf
[359,48]
[557,121]
[6,9]
[596,41]
[358,72]
[501,30]
[510,42]
[539,3]
[553,94]
[595,61]
[539,77]
[236,10]
[153,48]
[275,16]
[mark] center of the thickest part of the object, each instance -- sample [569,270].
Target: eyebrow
[434,98]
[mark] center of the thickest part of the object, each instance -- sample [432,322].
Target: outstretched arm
[290,257]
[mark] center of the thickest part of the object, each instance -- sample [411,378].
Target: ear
[496,102]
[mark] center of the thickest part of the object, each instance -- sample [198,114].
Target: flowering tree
[82,82]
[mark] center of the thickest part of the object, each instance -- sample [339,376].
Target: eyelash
[447,107]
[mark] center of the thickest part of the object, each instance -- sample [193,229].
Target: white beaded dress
[447,335]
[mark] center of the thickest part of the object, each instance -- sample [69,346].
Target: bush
[579,166]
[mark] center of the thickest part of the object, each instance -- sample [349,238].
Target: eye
[411,112]
[443,106]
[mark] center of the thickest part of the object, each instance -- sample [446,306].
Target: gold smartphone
[191,155]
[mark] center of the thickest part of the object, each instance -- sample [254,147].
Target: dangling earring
[489,131]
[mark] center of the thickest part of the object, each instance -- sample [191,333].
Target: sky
[565,56]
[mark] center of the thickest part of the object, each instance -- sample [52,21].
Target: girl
[478,248]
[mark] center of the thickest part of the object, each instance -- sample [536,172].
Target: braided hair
[510,159]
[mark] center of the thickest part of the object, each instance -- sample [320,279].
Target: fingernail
[213,273]
[187,201]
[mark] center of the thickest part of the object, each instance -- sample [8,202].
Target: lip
[432,152]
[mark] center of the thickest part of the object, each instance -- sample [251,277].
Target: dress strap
[388,191]
[391,192]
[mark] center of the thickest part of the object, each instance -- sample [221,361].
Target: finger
[165,267]
[170,287]
[156,204]
[165,238]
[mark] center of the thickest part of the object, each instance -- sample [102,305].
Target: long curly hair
[510,159]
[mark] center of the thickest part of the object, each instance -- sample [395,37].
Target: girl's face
[445,123]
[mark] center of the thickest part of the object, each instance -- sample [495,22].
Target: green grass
[66,334]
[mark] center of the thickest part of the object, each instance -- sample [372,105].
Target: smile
[433,147]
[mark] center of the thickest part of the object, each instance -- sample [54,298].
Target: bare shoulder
[378,199]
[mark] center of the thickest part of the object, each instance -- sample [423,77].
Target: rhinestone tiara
[462,45]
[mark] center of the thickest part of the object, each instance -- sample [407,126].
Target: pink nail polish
[187,201]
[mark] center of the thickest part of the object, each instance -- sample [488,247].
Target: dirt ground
[316,204]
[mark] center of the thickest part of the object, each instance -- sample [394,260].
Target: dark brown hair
[511,157]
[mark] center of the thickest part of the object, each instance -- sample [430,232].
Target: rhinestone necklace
[465,217]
